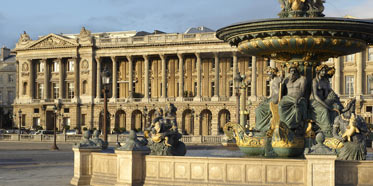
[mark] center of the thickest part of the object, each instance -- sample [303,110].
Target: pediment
[52,41]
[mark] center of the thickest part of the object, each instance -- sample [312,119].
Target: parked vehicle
[44,132]
[71,132]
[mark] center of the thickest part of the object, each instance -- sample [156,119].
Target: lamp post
[19,124]
[145,112]
[54,147]
[238,80]
[105,82]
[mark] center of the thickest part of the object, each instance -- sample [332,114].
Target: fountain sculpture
[302,103]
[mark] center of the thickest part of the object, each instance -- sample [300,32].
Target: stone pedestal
[82,166]
[321,170]
[130,167]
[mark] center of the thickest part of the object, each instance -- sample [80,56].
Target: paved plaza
[34,164]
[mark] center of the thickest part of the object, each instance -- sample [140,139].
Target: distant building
[193,70]
[8,77]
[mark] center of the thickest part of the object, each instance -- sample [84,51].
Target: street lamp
[145,112]
[54,147]
[105,78]
[238,79]
[19,124]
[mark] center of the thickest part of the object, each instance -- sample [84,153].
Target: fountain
[299,40]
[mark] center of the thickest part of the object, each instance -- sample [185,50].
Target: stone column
[146,82]
[46,80]
[321,170]
[31,80]
[98,76]
[198,95]
[181,77]
[164,77]
[235,70]
[18,83]
[60,82]
[130,167]
[115,75]
[82,166]
[76,80]
[130,79]
[253,79]
[217,83]
[338,75]
[359,75]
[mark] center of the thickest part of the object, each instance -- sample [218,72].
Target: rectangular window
[70,66]
[369,109]
[268,88]
[370,54]
[250,63]
[70,90]
[40,91]
[230,88]
[41,67]
[370,84]
[10,78]
[213,64]
[349,85]
[212,89]
[56,66]
[35,122]
[66,121]
[23,120]
[177,89]
[36,110]
[56,90]
[231,64]
[350,58]
[160,90]
[10,97]
[24,90]
[66,110]
[268,62]
[83,120]
[195,88]
[248,89]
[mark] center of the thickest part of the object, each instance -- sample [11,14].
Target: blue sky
[41,17]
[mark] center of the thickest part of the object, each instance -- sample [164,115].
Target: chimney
[5,52]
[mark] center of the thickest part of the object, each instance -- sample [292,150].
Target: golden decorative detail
[351,129]
[333,143]
[267,43]
[236,131]
[296,143]
[254,44]
[335,42]
[309,132]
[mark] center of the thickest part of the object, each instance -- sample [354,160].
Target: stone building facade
[194,71]
[7,85]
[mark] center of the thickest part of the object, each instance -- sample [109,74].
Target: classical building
[7,85]
[194,70]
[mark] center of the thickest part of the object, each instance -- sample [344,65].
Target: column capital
[129,57]
[162,56]
[146,56]
[216,54]
[59,59]
[43,59]
[198,54]
[98,59]
[235,53]
[180,55]
[113,58]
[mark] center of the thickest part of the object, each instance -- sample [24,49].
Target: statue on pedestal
[133,144]
[351,130]
[86,142]
[263,114]
[98,141]
[293,105]
[163,135]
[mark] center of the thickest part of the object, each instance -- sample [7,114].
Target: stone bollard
[83,165]
[130,167]
[321,170]
[131,161]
